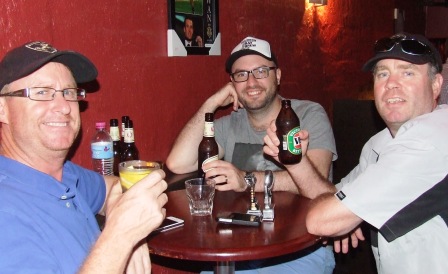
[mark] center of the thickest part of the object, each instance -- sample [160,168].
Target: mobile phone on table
[169,223]
[240,219]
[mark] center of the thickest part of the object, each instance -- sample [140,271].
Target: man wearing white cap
[255,77]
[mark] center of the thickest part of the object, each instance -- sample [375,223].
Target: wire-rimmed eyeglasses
[47,94]
[258,73]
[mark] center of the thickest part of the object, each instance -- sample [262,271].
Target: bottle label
[102,150]
[208,160]
[293,144]
[114,133]
[209,130]
[129,135]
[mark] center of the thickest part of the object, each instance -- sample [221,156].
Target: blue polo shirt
[47,226]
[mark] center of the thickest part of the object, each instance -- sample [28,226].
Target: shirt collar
[39,181]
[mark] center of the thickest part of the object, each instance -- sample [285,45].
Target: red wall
[320,51]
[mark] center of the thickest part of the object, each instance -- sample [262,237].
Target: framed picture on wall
[193,28]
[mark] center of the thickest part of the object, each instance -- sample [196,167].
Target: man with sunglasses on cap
[254,81]
[399,186]
[47,203]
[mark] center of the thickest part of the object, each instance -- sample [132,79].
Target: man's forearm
[282,181]
[308,180]
[183,157]
[108,256]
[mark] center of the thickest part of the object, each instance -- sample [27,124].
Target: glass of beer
[133,171]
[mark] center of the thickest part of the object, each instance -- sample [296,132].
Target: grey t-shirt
[243,146]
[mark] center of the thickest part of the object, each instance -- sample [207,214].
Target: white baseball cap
[249,46]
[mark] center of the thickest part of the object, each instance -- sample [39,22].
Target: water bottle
[102,150]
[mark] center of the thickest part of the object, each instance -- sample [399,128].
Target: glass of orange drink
[133,171]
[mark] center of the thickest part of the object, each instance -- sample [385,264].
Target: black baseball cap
[250,46]
[412,48]
[26,59]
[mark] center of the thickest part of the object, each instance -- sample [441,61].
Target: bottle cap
[100,124]
[114,122]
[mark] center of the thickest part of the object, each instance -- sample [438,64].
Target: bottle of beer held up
[288,127]
[208,148]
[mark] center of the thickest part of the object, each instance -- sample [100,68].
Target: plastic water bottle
[102,150]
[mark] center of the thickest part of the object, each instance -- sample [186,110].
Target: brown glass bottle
[123,122]
[208,148]
[114,133]
[129,151]
[288,127]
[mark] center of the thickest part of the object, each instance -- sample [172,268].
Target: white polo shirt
[399,187]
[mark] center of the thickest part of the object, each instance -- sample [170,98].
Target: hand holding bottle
[288,128]
[208,148]
[271,141]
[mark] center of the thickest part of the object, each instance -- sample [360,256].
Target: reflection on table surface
[203,239]
[177,181]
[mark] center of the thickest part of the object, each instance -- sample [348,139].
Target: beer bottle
[288,127]
[123,121]
[208,148]
[114,133]
[130,151]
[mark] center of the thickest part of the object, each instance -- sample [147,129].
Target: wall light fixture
[318,2]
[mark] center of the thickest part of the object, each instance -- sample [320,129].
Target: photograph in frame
[193,28]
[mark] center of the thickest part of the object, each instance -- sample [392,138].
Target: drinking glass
[133,171]
[200,193]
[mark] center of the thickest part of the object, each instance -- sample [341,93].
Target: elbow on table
[178,168]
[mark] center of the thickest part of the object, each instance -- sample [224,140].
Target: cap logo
[41,46]
[248,43]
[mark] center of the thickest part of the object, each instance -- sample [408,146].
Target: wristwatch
[250,179]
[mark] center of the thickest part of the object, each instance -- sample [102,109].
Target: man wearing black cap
[400,185]
[48,204]
[255,78]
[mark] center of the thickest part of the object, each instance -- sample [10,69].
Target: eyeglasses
[409,46]
[258,73]
[47,94]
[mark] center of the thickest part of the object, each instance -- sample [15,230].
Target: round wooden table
[203,239]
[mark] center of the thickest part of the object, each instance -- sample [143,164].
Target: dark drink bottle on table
[130,151]
[114,133]
[123,122]
[288,127]
[208,148]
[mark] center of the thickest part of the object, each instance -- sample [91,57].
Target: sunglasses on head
[408,45]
